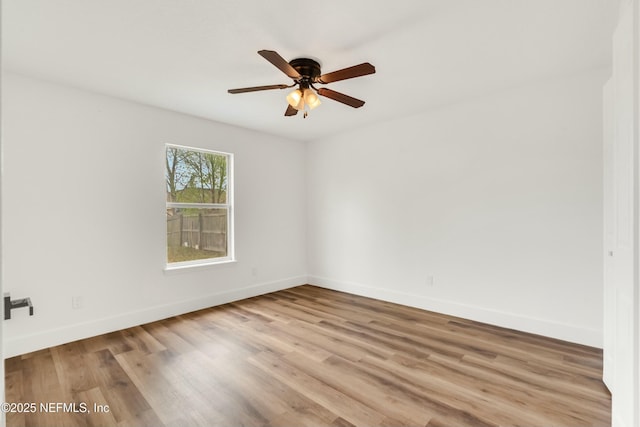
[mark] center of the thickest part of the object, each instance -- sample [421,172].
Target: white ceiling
[183,55]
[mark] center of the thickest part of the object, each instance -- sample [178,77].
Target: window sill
[169,269]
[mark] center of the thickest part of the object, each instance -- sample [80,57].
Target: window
[199,206]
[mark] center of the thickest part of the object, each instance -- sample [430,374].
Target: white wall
[84,213]
[499,199]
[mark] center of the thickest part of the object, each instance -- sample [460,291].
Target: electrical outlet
[77,302]
[430,281]
[254,271]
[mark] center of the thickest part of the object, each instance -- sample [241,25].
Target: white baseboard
[570,333]
[49,338]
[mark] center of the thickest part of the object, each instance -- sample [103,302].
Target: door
[609,288]
[621,371]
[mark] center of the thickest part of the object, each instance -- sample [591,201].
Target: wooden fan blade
[341,97]
[290,111]
[277,60]
[347,73]
[257,88]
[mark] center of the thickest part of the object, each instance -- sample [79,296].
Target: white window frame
[230,214]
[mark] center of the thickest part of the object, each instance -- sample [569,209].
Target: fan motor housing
[308,68]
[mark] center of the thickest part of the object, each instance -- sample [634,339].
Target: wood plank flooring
[311,357]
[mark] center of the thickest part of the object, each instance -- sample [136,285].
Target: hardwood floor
[311,357]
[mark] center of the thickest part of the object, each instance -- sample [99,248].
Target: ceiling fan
[305,73]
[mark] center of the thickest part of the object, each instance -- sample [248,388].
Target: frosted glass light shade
[311,99]
[296,100]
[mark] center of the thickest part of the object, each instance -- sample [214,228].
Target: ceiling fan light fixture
[311,99]
[296,99]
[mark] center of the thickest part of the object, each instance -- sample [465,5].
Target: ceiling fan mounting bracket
[308,68]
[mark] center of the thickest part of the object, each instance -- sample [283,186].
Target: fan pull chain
[306,113]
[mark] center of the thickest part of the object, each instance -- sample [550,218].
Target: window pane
[196,177]
[194,234]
